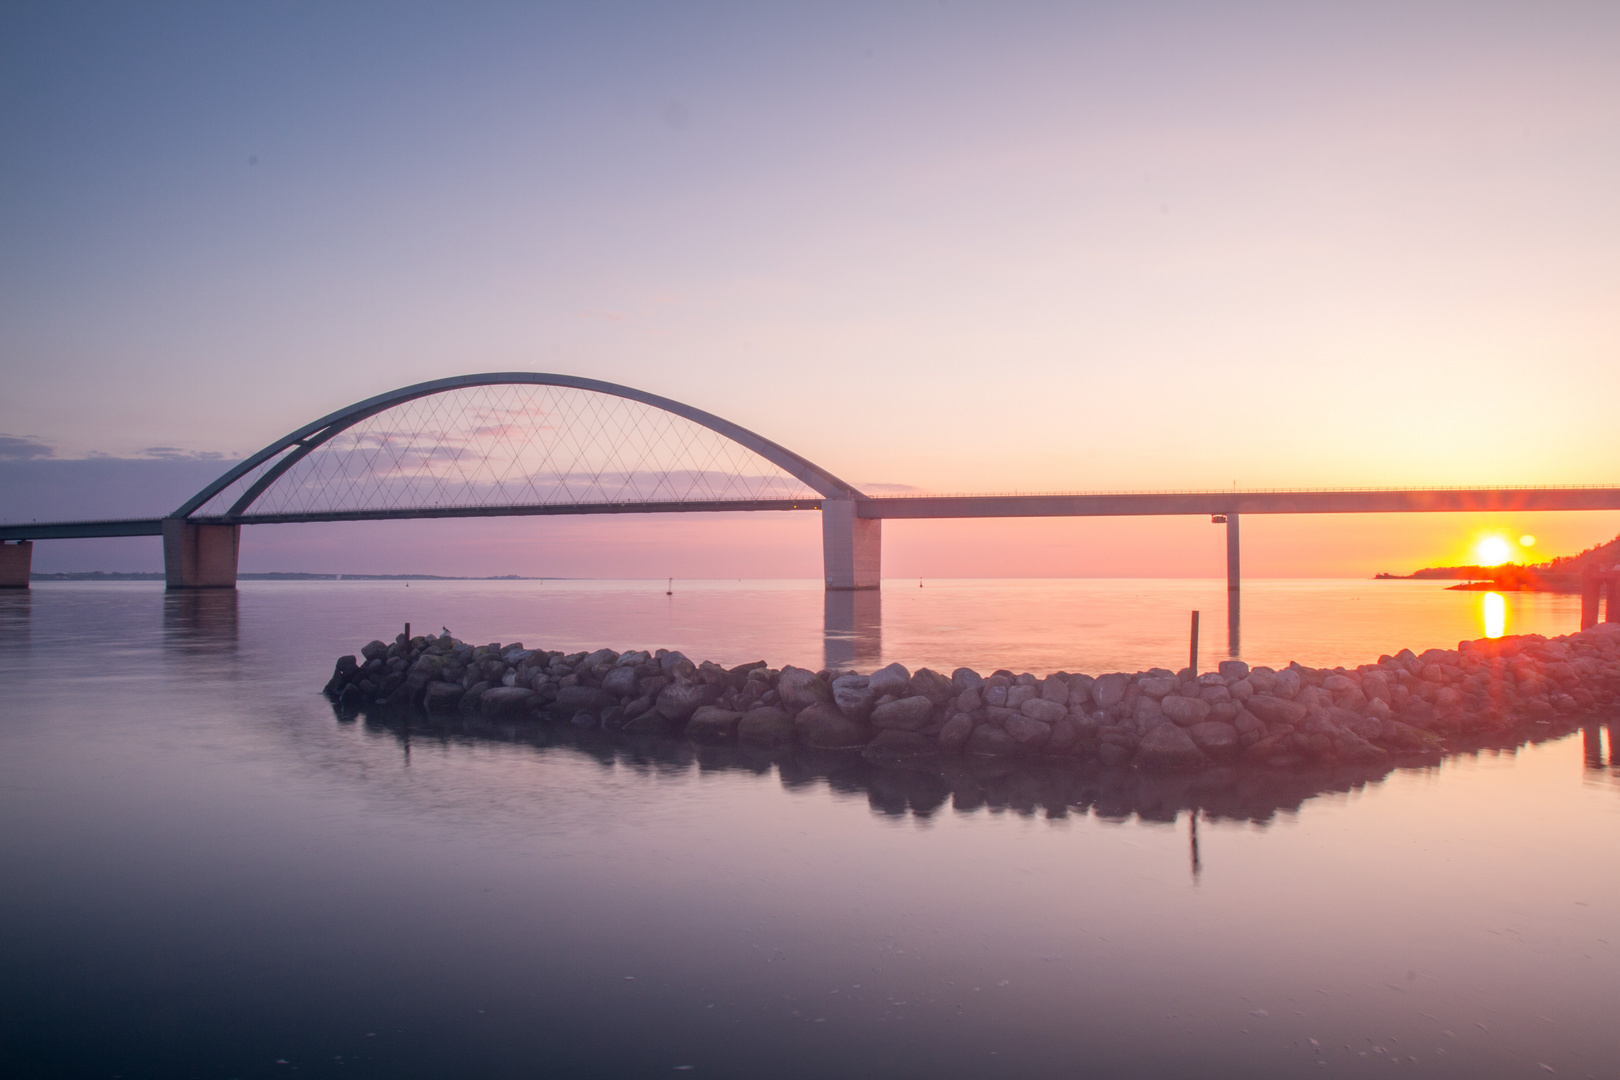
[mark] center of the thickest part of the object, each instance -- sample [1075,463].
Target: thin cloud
[23,448]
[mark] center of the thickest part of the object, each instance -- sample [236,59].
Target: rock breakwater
[1407,705]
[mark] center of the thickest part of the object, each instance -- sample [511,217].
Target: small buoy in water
[670,590]
[919,583]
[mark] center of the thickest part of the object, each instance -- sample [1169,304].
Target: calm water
[208,874]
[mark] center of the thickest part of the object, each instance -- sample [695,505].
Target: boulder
[889,680]
[988,741]
[766,725]
[709,722]
[1169,747]
[1158,686]
[1029,732]
[1185,711]
[931,685]
[1055,689]
[853,696]
[1276,710]
[677,703]
[1044,710]
[966,679]
[1215,738]
[442,697]
[1020,693]
[800,688]
[954,735]
[908,713]
[1233,669]
[1065,738]
[620,682]
[821,725]
[374,650]
[1109,690]
[474,694]
[506,702]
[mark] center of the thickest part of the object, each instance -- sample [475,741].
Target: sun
[1493,550]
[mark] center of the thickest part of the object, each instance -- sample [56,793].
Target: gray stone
[1233,669]
[766,725]
[853,696]
[1055,689]
[931,685]
[621,682]
[954,735]
[908,713]
[1215,738]
[988,741]
[1020,693]
[1109,690]
[889,680]
[1185,711]
[996,695]
[799,688]
[442,697]
[506,702]
[1337,684]
[1158,687]
[821,725]
[1276,710]
[966,679]
[677,703]
[1044,710]
[1065,738]
[709,722]
[1169,747]
[474,694]
[1147,711]
[672,660]
[970,699]
[1029,732]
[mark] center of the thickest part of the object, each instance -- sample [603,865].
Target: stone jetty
[1408,705]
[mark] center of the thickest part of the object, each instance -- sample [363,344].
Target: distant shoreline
[157,575]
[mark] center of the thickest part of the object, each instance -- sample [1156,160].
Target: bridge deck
[1114,504]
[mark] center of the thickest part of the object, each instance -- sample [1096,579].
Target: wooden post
[1193,660]
[1612,611]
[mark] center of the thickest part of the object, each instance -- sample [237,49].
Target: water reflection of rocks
[965,784]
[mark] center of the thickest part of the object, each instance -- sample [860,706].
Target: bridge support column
[16,560]
[199,556]
[1234,589]
[851,547]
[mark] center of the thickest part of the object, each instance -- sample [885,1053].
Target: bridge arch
[503,443]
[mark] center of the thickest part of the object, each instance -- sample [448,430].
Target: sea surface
[207,873]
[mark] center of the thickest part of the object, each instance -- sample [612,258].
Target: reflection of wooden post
[1592,746]
[1591,586]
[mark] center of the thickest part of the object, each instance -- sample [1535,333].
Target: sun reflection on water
[1493,613]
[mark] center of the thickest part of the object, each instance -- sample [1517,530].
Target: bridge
[525,443]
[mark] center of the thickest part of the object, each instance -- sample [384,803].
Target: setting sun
[1493,550]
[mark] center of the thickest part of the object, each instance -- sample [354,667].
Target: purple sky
[950,246]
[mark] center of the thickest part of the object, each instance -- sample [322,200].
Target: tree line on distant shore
[1562,574]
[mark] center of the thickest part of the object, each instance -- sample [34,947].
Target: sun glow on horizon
[1492,549]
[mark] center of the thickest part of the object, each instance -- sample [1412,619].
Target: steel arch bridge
[528,443]
[501,444]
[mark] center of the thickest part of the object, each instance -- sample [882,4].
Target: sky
[939,246]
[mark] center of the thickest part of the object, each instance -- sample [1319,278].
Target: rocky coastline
[1508,689]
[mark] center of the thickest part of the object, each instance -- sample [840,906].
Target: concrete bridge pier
[199,556]
[1234,590]
[16,560]
[851,547]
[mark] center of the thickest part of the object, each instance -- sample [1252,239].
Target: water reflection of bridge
[528,444]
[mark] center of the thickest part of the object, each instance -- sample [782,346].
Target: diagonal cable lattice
[515,445]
